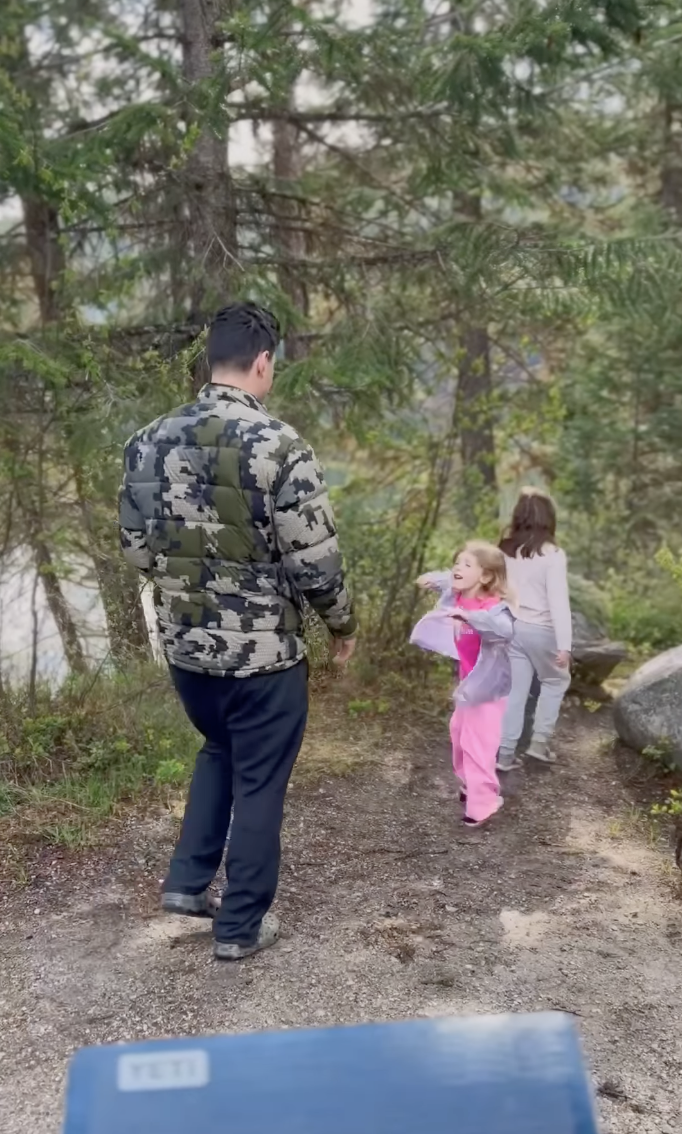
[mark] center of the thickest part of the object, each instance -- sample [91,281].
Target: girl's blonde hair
[491,560]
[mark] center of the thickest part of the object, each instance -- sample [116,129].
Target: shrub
[88,747]
[645,607]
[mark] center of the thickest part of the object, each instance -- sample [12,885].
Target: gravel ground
[390,910]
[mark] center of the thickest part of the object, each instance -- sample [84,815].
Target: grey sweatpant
[533,650]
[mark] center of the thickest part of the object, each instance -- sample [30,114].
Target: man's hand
[563,659]
[343,650]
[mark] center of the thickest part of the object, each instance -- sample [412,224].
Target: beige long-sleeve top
[540,584]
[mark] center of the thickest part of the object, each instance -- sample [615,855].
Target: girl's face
[467,574]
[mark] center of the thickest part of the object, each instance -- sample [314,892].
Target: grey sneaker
[191,905]
[538,749]
[508,763]
[268,934]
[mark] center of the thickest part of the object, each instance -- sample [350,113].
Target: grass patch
[87,751]
[344,733]
[634,822]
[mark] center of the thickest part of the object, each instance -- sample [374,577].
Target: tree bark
[46,255]
[474,401]
[47,260]
[288,235]
[121,595]
[671,170]
[211,244]
[58,606]
[119,587]
[474,394]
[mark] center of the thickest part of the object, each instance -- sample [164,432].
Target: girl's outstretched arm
[438,581]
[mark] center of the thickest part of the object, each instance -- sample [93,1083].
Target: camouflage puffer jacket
[226,510]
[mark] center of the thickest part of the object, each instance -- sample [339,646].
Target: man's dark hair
[239,333]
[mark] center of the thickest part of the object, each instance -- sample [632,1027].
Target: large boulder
[648,711]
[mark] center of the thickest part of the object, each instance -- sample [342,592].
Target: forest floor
[390,909]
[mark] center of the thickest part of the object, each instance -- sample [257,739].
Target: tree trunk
[288,234]
[41,219]
[474,403]
[46,255]
[671,170]
[474,394]
[47,260]
[119,586]
[474,417]
[211,244]
[121,594]
[58,606]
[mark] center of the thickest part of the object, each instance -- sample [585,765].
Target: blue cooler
[482,1075]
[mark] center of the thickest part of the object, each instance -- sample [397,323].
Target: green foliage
[671,806]
[95,744]
[671,564]
[660,755]
[645,608]
[170,773]
[359,708]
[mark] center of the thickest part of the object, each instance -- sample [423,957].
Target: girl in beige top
[537,572]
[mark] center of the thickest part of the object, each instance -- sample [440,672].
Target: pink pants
[476,731]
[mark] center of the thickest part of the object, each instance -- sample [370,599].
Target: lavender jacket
[490,679]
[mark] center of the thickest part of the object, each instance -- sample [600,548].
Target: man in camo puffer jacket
[226,510]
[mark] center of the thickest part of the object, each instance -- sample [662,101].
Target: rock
[589,605]
[594,655]
[647,711]
[593,662]
[584,630]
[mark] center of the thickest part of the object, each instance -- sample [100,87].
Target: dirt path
[390,910]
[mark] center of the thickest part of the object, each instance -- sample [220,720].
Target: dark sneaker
[268,934]
[191,905]
[462,796]
[471,823]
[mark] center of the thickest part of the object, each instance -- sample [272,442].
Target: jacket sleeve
[439,581]
[308,543]
[494,625]
[132,528]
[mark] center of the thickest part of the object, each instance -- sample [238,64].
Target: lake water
[17,584]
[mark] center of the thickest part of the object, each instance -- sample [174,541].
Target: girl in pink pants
[474,623]
[476,731]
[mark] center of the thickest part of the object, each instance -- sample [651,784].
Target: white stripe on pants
[533,650]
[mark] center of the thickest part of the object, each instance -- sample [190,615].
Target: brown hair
[533,524]
[491,560]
